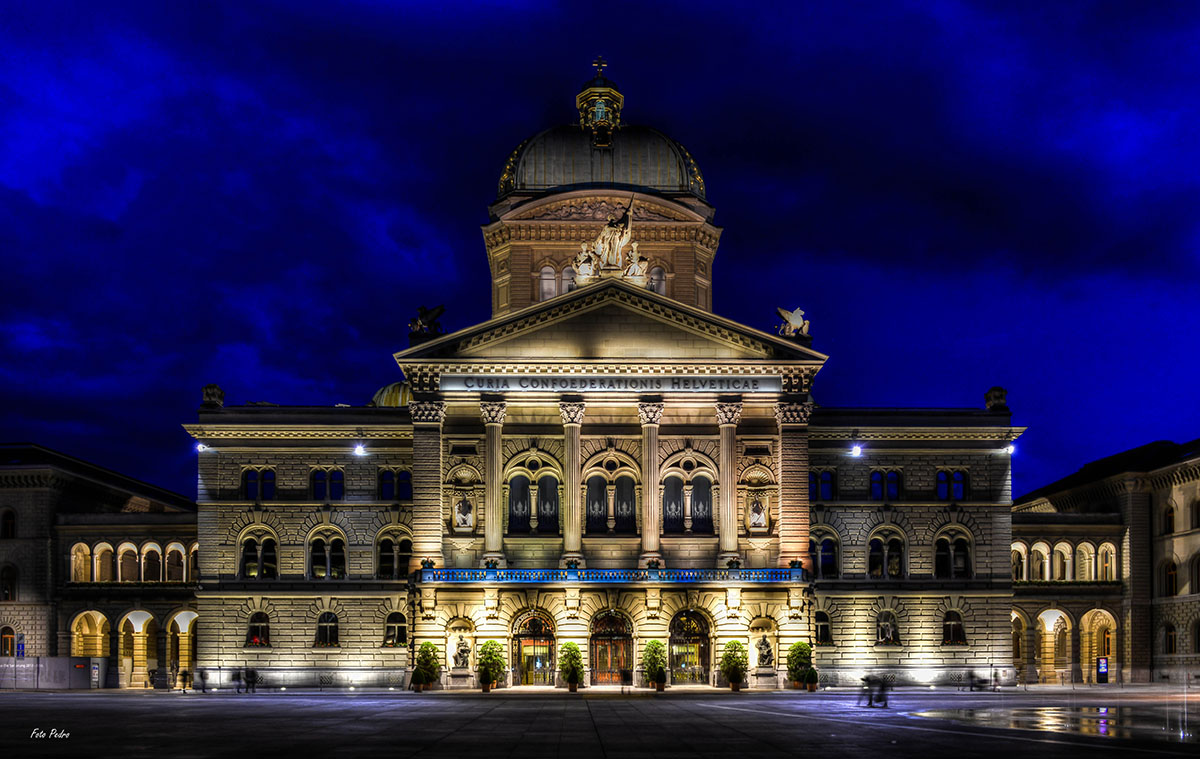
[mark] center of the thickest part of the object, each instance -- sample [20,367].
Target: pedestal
[461,678]
[765,678]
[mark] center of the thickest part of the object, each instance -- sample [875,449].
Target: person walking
[237,679]
[251,681]
[183,680]
[203,680]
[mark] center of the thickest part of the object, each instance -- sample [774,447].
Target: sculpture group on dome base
[606,257]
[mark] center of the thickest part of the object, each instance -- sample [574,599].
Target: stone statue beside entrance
[766,657]
[462,653]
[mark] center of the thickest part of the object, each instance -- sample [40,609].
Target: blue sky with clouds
[260,194]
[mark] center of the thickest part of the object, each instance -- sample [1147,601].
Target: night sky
[259,195]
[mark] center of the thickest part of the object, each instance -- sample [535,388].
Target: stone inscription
[582,383]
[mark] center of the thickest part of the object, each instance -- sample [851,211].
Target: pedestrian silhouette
[203,680]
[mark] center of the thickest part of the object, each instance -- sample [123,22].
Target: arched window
[8,584]
[822,485]
[547,505]
[387,485]
[547,288]
[1169,640]
[327,485]
[953,633]
[327,630]
[518,505]
[104,565]
[152,566]
[269,565]
[258,485]
[962,559]
[327,559]
[887,629]
[951,485]
[625,506]
[249,568]
[1108,563]
[194,563]
[1170,579]
[658,280]
[1037,565]
[827,566]
[885,558]
[875,559]
[1018,566]
[8,641]
[672,504]
[1106,642]
[258,632]
[129,566]
[1168,520]
[568,280]
[597,505]
[395,631]
[392,558]
[174,565]
[886,485]
[8,525]
[702,512]
[941,559]
[824,632]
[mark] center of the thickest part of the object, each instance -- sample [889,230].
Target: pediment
[612,320]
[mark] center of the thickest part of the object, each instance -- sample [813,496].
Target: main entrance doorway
[612,649]
[533,640]
[689,648]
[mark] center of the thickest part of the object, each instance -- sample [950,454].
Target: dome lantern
[600,106]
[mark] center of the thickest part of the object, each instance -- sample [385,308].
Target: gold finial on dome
[600,106]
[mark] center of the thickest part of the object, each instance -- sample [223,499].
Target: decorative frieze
[793,413]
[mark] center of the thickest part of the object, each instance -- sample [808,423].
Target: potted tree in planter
[428,664]
[417,682]
[811,679]
[799,659]
[654,664]
[570,665]
[490,664]
[734,663]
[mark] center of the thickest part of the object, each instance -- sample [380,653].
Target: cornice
[1002,436]
[297,432]
[550,231]
[18,480]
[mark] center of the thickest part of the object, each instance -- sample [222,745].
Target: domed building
[604,461]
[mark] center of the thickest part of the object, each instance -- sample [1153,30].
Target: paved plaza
[683,723]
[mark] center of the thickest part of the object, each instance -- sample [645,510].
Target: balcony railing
[614,575]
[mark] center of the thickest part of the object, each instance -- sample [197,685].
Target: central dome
[565,158]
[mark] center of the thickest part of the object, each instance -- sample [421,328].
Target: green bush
[491,662]
[570,663]
[734,662]
[654,662]
[418,678]
[428,662]
[811,677]
[799,659]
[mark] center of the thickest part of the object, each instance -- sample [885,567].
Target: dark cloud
[259,194]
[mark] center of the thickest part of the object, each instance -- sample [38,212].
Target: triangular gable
[611,320]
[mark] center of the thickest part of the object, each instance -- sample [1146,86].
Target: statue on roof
[613,238]
[794,322]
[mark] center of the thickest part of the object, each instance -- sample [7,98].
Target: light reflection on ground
[1143,721]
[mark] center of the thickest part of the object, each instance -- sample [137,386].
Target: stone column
[572,512]
[1032,641]
[728,415]
[1076,655]
[492,413]
[650,415]
[427,418]
[793,482]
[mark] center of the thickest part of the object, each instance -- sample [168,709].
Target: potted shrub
[734,664]
[811,679]
[417,681]
[428,664]
[570,665]
[654,664]
[489,664]
[799,659]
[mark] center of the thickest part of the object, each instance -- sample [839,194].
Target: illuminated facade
[608,462]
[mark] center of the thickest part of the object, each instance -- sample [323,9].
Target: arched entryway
[612,649]
[90,635]
[1097,640]
[181,648]
[533,648]
[1054,654]
[689,654]
[138,650]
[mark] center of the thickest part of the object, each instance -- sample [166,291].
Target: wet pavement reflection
[1143,721]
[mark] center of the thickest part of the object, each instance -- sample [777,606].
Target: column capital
[729,413]
[493,412]
[572,412]
[793,413]
[427,412]
[650,413]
